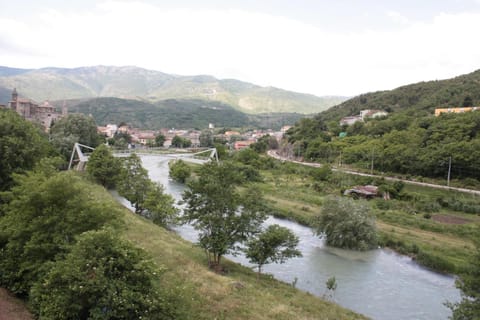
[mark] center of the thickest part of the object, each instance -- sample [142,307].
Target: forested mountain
[420,98]
[151,86]
[410,140]
[174,113]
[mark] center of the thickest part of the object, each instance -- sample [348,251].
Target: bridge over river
[81,153]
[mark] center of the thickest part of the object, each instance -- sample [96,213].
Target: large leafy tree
[74,128]
[22,145]
[133,183]
[346,223]
[103,167]
[43,214]
[103,277]
[160,207]
[276,244]
[223,215]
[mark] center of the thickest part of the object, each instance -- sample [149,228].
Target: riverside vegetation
[69,249]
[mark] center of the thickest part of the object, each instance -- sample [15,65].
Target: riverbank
[356,272]
[416,225]
[238,294]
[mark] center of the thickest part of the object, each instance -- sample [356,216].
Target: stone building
[44,114]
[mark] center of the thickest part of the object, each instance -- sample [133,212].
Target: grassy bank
[432,226]
[238,294]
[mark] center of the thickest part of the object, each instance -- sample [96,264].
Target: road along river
[379,283]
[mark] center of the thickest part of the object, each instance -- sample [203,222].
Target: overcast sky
[337,47]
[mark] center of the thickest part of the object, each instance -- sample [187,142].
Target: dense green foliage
[410,140]
[148,198]
[401,143]
[102,277]
[179,171]
[74,128]
[21,146]
[159,206]
[133,182]
[347,224]
[162,114]
[181,142]
[276,244]
[103,167]
[43,214]
[469,283]
[223,215]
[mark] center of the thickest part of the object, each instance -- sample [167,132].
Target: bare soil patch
[12,308]
[450,219]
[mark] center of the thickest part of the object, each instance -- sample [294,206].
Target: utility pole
[371,168]
[449,170]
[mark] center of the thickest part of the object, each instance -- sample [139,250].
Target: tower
[14,94]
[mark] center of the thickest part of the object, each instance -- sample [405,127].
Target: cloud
[250,46]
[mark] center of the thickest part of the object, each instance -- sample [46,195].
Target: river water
[379,283]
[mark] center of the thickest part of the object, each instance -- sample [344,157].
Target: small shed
[367,192]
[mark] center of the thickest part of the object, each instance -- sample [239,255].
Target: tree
[102,277]
[74,128]
[347,224]
[276,244]
[159,206]
[103,167]
[133,182]
[21,146]
[223,215]
[43,214]
[159,140]
[179,171]
[467,102]
[180,142]
[206,138]
[469,283]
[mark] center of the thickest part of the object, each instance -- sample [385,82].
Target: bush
[347,224]
[103,277]
[179,171]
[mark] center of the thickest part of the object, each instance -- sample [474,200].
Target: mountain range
[135,83]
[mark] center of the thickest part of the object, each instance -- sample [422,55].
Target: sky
[335,47]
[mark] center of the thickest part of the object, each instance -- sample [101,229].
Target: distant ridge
[420,98]
[129,82]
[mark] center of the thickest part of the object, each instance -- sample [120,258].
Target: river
[379,283]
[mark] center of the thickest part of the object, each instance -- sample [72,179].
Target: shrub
[347,224]
[179,171]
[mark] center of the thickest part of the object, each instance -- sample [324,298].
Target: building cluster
[364,114]
[234,139]
[44,114]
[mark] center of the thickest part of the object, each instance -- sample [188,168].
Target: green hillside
[410,140]
[421,98]
[174,113]
[170,113]
[147,85]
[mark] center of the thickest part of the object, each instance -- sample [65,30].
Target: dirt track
[12,308]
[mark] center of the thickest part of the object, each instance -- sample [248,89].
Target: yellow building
[454,110]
